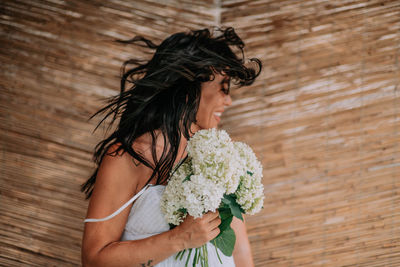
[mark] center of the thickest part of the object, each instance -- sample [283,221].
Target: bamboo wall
[323,117]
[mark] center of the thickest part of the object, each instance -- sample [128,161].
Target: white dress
[146,219]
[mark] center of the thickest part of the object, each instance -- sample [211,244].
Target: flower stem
[207,255]
[216,250]
[195,258]
[183,253]
[178,254]
[188,257]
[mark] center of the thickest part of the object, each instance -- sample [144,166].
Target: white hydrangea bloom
[173,197]
[196,194]
[214,156]
[215,166]
[201,195]
[250,193]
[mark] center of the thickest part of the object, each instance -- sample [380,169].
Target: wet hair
[164,93]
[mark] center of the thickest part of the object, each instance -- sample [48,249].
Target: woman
[183,88]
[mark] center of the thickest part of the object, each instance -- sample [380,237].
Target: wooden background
[324,118]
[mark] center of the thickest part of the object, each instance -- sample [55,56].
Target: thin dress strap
[121,208]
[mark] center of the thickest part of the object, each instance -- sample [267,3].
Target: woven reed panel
[325,120]
[57,62]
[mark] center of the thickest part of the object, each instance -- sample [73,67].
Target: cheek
[207,104]
[205,111]
[202,113]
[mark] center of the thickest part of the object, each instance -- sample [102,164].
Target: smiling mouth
[218,114]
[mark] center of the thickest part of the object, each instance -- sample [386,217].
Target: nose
[228,100]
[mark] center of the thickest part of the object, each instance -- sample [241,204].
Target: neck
[194,128]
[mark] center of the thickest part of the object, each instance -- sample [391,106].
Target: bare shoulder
[118,179]
[117,167]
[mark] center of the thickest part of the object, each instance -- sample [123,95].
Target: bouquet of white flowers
[217,174]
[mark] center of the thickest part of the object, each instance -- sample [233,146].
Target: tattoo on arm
[148,264]
[136,162]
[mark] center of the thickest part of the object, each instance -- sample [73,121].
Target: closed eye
[225,86]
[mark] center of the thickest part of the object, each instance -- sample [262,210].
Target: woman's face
[214,99]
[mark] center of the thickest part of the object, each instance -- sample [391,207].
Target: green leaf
[183,210]
[224,212]
[250,173]
[236,211]
[187,178]
[235,208]
[225,223]
[226,201]
[225,241]
[229,199]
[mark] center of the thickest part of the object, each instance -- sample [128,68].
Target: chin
[212,126]
[207,126]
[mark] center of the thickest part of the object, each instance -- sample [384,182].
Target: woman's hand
[197,232]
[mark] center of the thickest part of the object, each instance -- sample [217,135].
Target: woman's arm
[242,251]
[118,179]
[152,250]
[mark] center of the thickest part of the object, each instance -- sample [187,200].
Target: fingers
[214,233]
[215,223]
[200,230]
[209,220]
[211,215]
[206,218]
